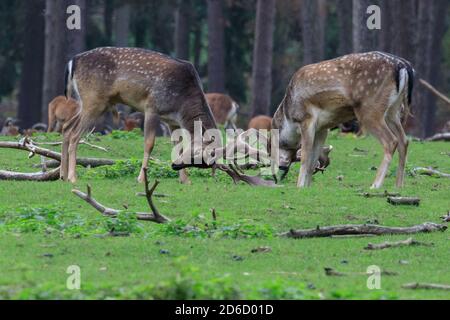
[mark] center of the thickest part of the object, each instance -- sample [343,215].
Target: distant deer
[147,81]
[260,123]
[373,87]
[61,110]
[224,109]
[9,128]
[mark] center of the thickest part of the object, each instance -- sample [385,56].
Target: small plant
[127,135]
[125,222]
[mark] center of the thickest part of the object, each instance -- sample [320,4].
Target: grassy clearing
[44,229]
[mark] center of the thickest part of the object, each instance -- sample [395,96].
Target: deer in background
[373,87]
[224,109]
[61,110]
[9,128]
[260,123]
[150,82]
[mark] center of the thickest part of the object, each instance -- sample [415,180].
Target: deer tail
[68,78]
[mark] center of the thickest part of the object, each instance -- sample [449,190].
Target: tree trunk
[108,13]
[122,25]
[262,57]
[430,31]
[363,39]
[312,37]
[182,29]
[216,50]
[55,52]
[30,96]
[76,39]
[344,12]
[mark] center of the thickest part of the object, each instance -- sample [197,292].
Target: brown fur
[61,110]
[260,123]
[320,96]
[223,108]
[147,81]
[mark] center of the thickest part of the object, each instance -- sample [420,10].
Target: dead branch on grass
[387,244]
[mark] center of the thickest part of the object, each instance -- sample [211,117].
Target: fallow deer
[373,87]
[260,123]
[147,81]
[61,110]
[224,109]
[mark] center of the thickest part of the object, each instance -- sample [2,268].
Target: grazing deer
[260,123]
[61,110]
[150,82]
[9,129]
[373,87]
[224,109]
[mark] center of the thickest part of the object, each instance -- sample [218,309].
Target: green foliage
[126,135]
[125,222]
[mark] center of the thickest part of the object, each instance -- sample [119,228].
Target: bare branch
[362,229]
[387,244]
[155,216]
[27,145]
[385,194]
[430,172]
[417,285]
[440,137]
[403,201]
[38,176]
[435,91]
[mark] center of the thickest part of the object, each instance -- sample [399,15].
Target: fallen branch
[430,172]
[362,229]
[385,245]
[27,145]
[417,285]
[155,216]
[435,91]
[93,146]
[38,176]
[84,162]
[396,201]
[385,194]
[440,137]
[251,180]
[333,273]
[446,218]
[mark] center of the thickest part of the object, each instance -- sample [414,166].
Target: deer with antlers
[150,82]
[373,87]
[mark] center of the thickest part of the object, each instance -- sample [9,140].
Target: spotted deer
[224,109]
[147,81]
[374,87]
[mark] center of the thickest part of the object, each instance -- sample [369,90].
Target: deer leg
[67,131]
[183,175]
[307,155]
[150,124]
[389,142]
[397,128]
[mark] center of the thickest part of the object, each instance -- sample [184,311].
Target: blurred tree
[122,24]
[108,14]
[55,52]
[364,39]
[76,39]
[182,29]
[313,20]
[216,47]
[30,92]
[262,58]
[344,10]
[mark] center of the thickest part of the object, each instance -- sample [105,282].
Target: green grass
[44,229]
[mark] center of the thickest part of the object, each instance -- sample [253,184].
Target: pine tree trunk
[363,39]
[122,25]
[344,11]
[30,95]
[262,57]
[216,50]
[182,29]
[55,52]
[76,39]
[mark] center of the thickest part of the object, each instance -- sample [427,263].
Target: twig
[430,172]
[385,194]
[27,145]
[155,216]
[333,273]
[387,244]
[434,91]
[362,229]
[446,218]
[403,201]
[58,143]
[430,286]
[85,162]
